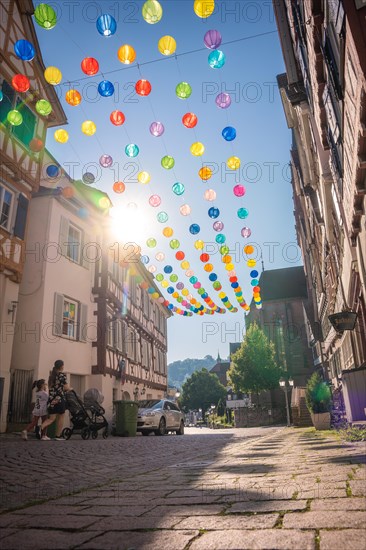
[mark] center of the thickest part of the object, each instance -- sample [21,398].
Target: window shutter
[21,217]
[85,262]
[83,321]
[64,235]
[57,314]
[124,338]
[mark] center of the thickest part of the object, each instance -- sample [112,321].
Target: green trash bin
[126,418]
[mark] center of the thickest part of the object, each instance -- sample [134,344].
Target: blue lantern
[132,150]
[52,171]
[254,282]
[105,88]
[168,269]
[243,213]
[194,228]
[106,25]
[144,259]
[216,59]
[24,50]
[170,306]
[178,188]
[254,273]
[193,280]
[229,133]
[213,212]
[170,290]
[220,238]
[212,277]
[234,285]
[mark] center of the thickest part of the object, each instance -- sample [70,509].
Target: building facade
[21,157]
[324,98]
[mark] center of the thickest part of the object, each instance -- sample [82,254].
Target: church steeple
[218,360]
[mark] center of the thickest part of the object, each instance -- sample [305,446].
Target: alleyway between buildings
[258,488]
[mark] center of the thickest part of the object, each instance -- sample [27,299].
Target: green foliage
[179,371]
[254,367]
[201,390]
[353,433]
[318,395]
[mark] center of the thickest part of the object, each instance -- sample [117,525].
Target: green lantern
[159,277]
[224,250]
[167,162]
[173,278]
[183,90]
[151,243]
[174,244]
[14,117]
[45,16]
[43,107]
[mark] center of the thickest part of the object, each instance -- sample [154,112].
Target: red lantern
[119,187]
[68,192]
[143,87]
[256,289]
[189,120]
[204,257]
[36,145]
[20,83]
[90,66]
[117,118]
[233,279]
[180,255]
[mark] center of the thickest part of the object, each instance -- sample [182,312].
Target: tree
[201,390]
[254,368]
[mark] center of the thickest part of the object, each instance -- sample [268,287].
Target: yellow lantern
[143,177]
[53,75]
[88,127]
[229,267]
[233,163]
[167,231]
[251,263]
[73,98]
[185,292]
[197,149]
[164,284]
[204,8]
[167,45]
[199,245]
[185,264]
[222,295]
[126,54]
[155,295]
[205,173]
[104,202]
[61,136]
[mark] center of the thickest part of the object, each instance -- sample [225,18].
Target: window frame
[75,335]
[71,245]
[3,190]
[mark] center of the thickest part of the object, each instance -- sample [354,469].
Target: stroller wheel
[94,434]
[85,434]
[66,433]
[105,433]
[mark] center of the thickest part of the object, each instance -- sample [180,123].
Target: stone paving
[259,488]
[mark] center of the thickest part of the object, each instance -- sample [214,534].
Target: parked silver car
[159,416]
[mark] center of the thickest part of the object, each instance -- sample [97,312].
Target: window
[72,239]
[69,318]
[6,200]
[73,244]
[25,131]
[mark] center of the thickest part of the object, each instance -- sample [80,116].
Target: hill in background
[179,371]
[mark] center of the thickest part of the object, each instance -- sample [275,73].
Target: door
[20,396]
[169,415]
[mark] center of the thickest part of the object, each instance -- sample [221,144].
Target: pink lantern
[161,300]
[189,273]
[152,269]
[212,39]
[210,195]
[246,232]
[105,161]
[184,303]
[185,210]
[160,256]
[223,101]
[154,200]
[157,129]
[218,226]
[239,190]
[197,285]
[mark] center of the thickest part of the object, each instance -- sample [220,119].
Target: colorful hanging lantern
[180,255]
[233,163]
[174,244]
[197,149]
[212,39]
[126,54]
[156,129]
[204,8]
[88,128]
[89,66]
[194,229]
[53,75]
[239,190]
[45,16]
[209,195]
[61,136]
[105,88]
[117,118]
[14,117]
[88,178]
[20,83]
[154,200]
[24,50]
[168,232]
[106,161]
[243,213]
[213,212]
[218,226]
[151,242]
[205,173]
[167,162]
[189,120]
[229,133]
[144,260]
[43,107]
[178,188]
[119,187]
[246,232]
[185,210]
[73,98]
[162,217]
[223,101]
[143,177]
[220,238]
[160,256]
[216,59]
[106,25]
[183,90]
[167,45]
[143,87]
[132,150]
[152,12]
[199,244]
[52,171]
[36,145]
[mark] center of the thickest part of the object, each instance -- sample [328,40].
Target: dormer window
[11,100]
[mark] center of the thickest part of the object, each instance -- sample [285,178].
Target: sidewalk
[284,488]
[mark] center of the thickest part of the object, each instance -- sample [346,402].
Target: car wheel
[181,429]
[162,427]
[146,433]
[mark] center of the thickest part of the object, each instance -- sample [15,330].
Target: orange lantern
[73,97]
[126,54]
[119,187]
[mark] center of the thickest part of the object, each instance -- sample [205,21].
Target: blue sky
[253,59]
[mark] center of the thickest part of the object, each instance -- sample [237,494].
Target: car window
[167,407]
[174,407]
[150,404]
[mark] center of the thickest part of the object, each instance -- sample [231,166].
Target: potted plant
[318,401]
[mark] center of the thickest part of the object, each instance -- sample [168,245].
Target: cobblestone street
[258,488]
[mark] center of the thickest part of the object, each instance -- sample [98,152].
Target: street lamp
[286,388]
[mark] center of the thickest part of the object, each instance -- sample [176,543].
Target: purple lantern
[223,101]
[105,161]
[218,226]
[157,129]
[212,39]
[179,286]
[246,232]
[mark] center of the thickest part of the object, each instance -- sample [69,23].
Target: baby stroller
[86,417]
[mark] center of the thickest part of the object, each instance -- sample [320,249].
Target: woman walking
[57,403]
[40,408]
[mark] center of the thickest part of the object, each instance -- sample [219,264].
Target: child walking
[40,409]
